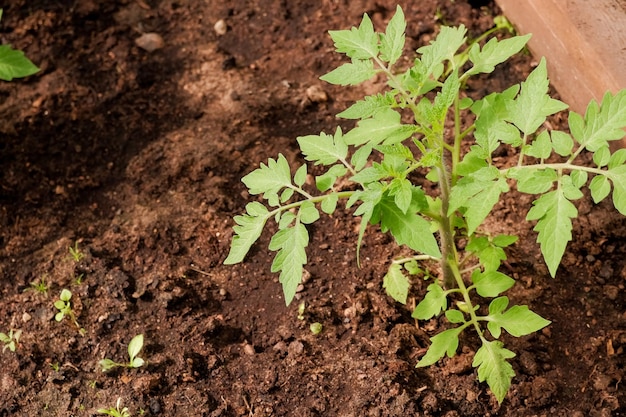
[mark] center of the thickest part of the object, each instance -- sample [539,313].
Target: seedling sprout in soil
[10,340]
[64,305]
[134,347]
[383,161]
[115,412]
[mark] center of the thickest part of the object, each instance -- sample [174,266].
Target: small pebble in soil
[295,348]
[220,27]
[150,42]
[316,94]
[26,317]
[248,349]
[155,406]
[611,292]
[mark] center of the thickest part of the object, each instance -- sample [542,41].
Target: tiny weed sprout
[134,347]
[13,63]
[75,254]
[379,167]
[10,340]
[115,412]
[41,287]
[64,305]
[316,328]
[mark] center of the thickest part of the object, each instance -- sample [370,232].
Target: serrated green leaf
[533,104]
[367,107]
[433,303]
[286,219]
[370,174]
[269,179]
[308,213]
[361,156]
[494,52]
[291,257]
[491,283]
[517,321]
[444,99]
[408,228]
[392,41]
[455,316]
[554,213]
[600,188]
[323,149]
[443,48]
[601,124]
[247,231]
[370,197]
[477,193]
[329,204]
[491,360]
[385,127]
[351,73]
[445,342]
[13,64]
[361,43]
[396,284]
[571,191]
[562,142]
[286,194]
[327,180]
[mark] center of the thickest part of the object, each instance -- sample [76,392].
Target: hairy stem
[448,249]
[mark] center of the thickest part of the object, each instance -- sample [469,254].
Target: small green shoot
[115,411]
[40,286]
[64,305]
[11,340]
[134,347]
[316,328]
[425,126]
[75,254]
[301,310]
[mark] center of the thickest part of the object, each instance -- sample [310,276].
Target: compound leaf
[494,52]
[367,107]
[491,360]
[247,231]
[290,244]
[396,284]
[445,342]
[323,149]
[533,104]
[361,43]
[600,124]
[448,41]
[269,179]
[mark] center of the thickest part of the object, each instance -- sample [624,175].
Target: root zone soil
[137,156]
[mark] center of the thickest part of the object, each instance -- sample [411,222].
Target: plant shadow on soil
[138,157]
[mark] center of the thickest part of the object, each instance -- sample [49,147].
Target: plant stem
[448,249]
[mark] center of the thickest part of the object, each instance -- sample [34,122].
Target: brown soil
[138,156]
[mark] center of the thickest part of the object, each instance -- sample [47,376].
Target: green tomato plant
[378,167]
[134,347]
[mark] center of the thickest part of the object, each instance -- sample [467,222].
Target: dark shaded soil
[137,156]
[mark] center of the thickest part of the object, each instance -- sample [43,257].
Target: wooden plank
[583,41]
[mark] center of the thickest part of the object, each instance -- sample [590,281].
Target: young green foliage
[13,63]
[373,166]
[64,305]
[11,340]
[115,411]
[134,347]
